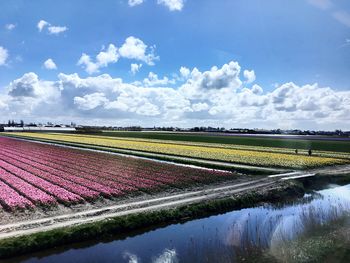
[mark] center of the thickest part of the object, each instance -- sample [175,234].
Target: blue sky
[303,42]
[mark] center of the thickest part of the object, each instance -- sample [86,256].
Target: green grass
[320,145]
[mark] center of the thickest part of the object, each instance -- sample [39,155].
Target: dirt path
[72,219]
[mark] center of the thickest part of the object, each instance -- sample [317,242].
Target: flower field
[248,155]
[33,174]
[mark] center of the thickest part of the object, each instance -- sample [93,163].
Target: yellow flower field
[229,154]
[340,155]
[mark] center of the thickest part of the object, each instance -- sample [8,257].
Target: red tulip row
[39,174]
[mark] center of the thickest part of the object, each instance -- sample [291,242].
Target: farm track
[171,201]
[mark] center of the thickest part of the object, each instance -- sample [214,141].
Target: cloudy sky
[231,63]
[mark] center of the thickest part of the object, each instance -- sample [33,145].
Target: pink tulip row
[163,173]
[80,190]
[130,167]
[149,178]
[12,200]
[45,168]
[34,194]
[44,174]
[58,192]
[48,163]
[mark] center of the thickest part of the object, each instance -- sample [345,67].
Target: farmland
[319,143]
[58,186]
[251,155]
[37,175]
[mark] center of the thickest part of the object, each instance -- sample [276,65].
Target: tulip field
[257,156]
[40,175]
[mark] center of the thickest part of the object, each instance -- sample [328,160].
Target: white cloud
[134,48]
[256,89]
[55,30]
[3,55]
[52,30]
[10,26]
[153,80]
[249,75]
[135,2]
[342,17]
[41,24]
[321,4]
[212,82]
[3,103]
[90,101]
[200,106]
[185,72]
[173,5]
[105,57]
[50,64]
[215,97]
[134,68]
[109,56]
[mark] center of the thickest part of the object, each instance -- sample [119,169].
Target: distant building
[37,129]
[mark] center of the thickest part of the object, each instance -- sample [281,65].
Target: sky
[224,63]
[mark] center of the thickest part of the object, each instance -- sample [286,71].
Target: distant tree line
[12,123]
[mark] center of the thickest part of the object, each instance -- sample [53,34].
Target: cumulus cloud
[3,55]
[29,85]
[134,68]
[135,2]
[90,101]
[213,82]
[135,48]
[213,97]
[105,57]
[249,75]
[50,64]
[153,80]
[10,27]
[185,72]
[41,24]
[3,102]
[55,30]
[52,30]
[173,5]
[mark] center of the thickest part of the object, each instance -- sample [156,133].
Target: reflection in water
[234,236]
[168,256]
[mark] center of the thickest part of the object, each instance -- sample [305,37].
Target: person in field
[310,152]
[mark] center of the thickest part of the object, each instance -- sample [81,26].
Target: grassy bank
[119,225]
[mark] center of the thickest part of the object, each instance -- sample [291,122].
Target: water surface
[261,232]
